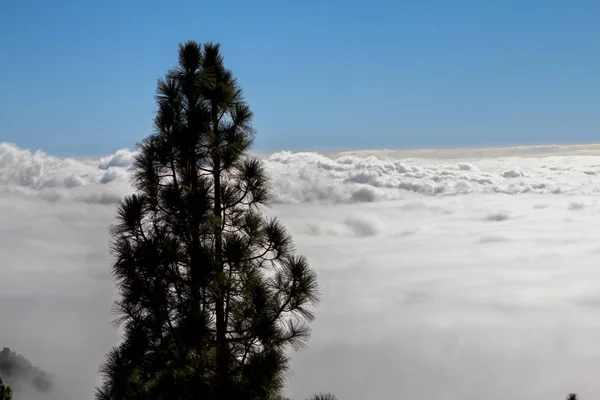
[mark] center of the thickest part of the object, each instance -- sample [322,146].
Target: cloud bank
[442,277]
[343,178]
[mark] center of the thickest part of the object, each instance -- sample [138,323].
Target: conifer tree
[212,293]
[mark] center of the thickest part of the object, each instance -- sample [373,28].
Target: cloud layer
[442,278]
[343,178]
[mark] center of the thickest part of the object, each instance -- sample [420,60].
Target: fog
[444,275]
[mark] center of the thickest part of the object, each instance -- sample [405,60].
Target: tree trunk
[221,324]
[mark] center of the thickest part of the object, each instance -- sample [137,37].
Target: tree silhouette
[211,291]
[323,396]
[5,391]
[17,370]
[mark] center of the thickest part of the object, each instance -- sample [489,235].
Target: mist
[442,277]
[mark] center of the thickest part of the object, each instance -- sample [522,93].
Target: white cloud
[122,158]
[357,178]
[441,278]
[54,179]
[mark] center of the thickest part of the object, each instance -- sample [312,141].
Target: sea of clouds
[444,275]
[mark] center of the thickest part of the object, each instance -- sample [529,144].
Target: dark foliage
[5,391]
[16,370]
[318,396]
[211,292]
[323,396]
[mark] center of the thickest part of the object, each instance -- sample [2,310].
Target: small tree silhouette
[572,396]
[5,391]
[323,396]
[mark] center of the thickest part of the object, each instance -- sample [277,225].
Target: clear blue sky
[78,78]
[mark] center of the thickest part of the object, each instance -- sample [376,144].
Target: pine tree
[212,293]
[5,391]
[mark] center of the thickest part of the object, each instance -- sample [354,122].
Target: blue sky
[78,77]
